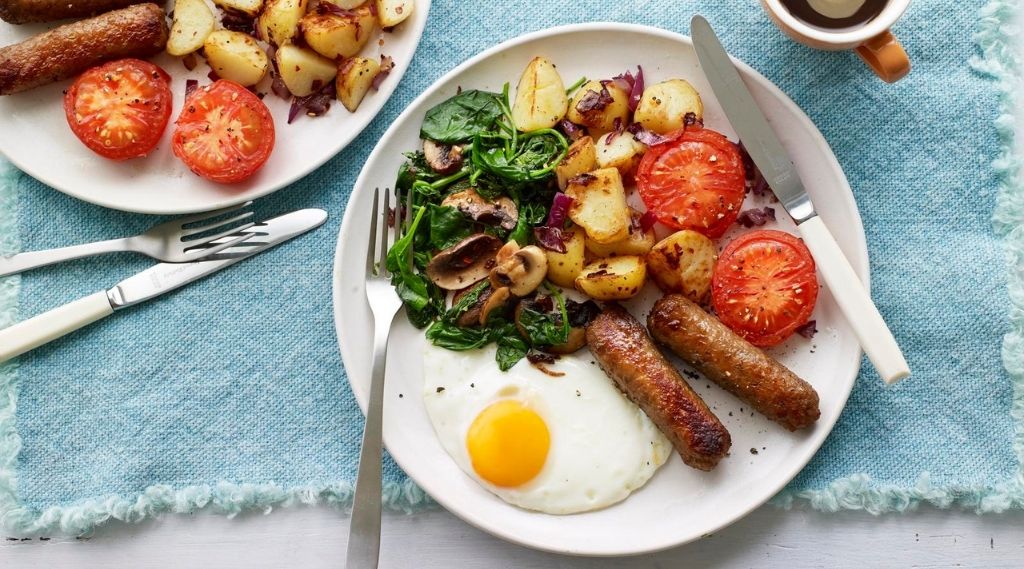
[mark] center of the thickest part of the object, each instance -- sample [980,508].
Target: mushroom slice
[464,263]
[472,315]
[521,270]
[577,339]
[443,158]
[495,303]
[501,211]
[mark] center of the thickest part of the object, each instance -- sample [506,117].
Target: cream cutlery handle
[855,302]
[35,259]
[49,326]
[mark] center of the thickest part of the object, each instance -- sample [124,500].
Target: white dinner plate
[37,139]
[679,504]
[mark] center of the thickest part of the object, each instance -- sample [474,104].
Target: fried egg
[559,445]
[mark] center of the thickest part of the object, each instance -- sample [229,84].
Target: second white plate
[679,504]
[37,138]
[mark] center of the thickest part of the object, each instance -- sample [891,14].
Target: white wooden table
[314,538]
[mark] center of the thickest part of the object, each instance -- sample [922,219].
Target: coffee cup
[860,25]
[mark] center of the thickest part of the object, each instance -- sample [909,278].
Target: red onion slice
[559,210]
[386,65]
[637,90]
[550,238]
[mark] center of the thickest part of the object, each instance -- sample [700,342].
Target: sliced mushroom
[521,270]
[464,263]
[495,303]
[471,317]
[577,339]
[443,158]
[501,211]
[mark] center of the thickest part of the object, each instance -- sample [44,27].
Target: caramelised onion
[550,235]
[756,217]
[279,88]
[572,130]
[386,65]
[595,100]
[326,7]
[559,210]
[315,104]
[190,87]
[808,330]
[212,75]
[550,238]
[190,61]
[237,21]
[647,220]
[651,138]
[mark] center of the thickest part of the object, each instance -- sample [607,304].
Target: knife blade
[152,282]
[773,161]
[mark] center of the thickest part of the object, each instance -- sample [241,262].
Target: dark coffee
[805,10]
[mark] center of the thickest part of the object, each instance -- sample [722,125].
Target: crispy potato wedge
[302,69]
[579,159]
[663,106]
[193,22]
[336,35]
[683,262]
[601,118]
[639,241]
[249,7]
[236,56]
[540,101]
[354,80]
[394,12]
[617,278]
[621,151]
[279,21]
[563,268]
[599,205]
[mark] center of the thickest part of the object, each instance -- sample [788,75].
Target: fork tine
[384,234]
[209,214]
[221,235]
[195,253]
[222,223]
[372,239]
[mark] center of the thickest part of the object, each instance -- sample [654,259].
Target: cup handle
[885,56]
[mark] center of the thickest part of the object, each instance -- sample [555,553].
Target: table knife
[152,282]
[771,158]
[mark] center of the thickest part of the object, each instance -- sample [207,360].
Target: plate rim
[232,199]
[845,192]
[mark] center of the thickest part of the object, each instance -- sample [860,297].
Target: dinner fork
[168,242]
[364,531]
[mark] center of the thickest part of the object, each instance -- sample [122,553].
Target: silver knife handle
[49,326]
[855,302]
[35,259]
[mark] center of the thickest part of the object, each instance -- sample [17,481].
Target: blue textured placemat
[230,393]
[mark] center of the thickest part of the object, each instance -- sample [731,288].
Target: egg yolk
[508,443]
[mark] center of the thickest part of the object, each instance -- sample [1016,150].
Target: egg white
[602,445]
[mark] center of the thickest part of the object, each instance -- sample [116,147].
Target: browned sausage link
[702,341]
[626,353]
[24,11]
[66,51]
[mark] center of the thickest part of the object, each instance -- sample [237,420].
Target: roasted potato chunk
[563,268]
[621,151]
[639,241]
[540,101]
[236,56]
[579,159]
[617,278]
[354,80]
[394,12]
[338,35]
[683,262]
[279,21]
[193,22]
[663,106]
[599,205]
[592,108]
[302,69]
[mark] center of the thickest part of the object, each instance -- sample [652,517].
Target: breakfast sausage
[627,354]
[66,51]
[24,11]
[702,341]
